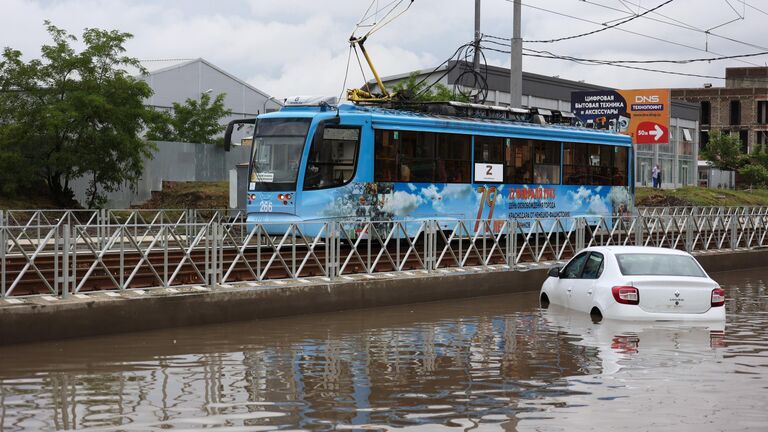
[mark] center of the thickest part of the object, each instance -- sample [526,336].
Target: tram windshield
[277,148]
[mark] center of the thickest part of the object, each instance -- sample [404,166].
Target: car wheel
[596,315]
[544,301]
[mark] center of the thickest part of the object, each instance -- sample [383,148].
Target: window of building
[706,112]
[744,138]
[762,138]
[703,140]
[762,112]
[735,112]
[332,157]
[686,144]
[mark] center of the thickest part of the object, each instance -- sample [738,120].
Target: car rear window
[658,265]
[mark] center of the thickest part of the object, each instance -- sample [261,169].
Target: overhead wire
[625,31]
[596,62]
[674,22]
[604,28]
[753,7]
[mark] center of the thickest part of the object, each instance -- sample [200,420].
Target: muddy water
[482,364]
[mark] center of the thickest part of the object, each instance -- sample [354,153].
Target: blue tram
[321,162]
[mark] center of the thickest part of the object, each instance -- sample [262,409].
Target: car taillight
[626,295]
[718,297]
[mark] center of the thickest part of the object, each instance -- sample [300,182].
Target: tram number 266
[265,206]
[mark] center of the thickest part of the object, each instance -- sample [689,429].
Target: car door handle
[568,289]
[589,292]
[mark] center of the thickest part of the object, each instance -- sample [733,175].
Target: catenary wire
[627,31]
[676,23]
[602,29]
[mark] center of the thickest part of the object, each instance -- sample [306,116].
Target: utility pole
[516,65]
[476,62]
[478,35]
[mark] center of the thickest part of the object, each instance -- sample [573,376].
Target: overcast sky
[288,47]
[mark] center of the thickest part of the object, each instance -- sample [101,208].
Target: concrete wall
[104,315]
[173,161]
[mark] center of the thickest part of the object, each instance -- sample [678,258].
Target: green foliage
[754,174]
[414,90]
[73,114]
[724,151]
[194,121]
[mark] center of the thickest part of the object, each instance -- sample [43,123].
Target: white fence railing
[70,252]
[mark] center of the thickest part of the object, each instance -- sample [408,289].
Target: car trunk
[669,294]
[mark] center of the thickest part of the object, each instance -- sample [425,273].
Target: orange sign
[641,114]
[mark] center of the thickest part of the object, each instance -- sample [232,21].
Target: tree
[75,114]
[724,151]
[414,89]
[754,174]
[194,121]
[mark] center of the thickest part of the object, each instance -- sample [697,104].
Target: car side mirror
[554,272]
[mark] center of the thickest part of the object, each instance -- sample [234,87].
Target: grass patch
[696,196]
[190,195]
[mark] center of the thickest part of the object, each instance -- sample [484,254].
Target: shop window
[332,157]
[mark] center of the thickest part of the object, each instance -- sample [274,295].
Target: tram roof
[412,120]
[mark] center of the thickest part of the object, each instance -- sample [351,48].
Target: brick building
[739,108]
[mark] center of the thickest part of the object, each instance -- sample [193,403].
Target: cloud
[431,195]
[290,47]
[412,187]
[597,206]
[582,194]
[457,191]
[402,203]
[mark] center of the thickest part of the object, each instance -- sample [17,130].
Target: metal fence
[70,252]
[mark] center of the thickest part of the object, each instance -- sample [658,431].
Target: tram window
[519,168]
[489,149]
[385,169]
[620,166]
[576,164]
[546,165]
[332,158]
[601,162]
[417,157]
[453,161]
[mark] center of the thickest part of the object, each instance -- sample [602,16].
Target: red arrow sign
[652,133]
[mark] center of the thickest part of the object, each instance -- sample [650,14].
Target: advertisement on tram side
[403,201]
[641,114]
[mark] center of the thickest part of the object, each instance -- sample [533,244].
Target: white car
[635,283]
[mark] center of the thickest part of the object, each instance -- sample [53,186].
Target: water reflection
[487,363]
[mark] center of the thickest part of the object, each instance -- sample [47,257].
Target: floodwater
[494,363]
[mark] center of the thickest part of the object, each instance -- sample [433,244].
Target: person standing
[658,179]
[655,176]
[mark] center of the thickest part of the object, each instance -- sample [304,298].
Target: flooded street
[481,364]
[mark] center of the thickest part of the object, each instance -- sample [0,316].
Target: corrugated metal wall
[173,161]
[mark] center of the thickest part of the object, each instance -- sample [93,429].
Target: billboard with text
[641,114]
